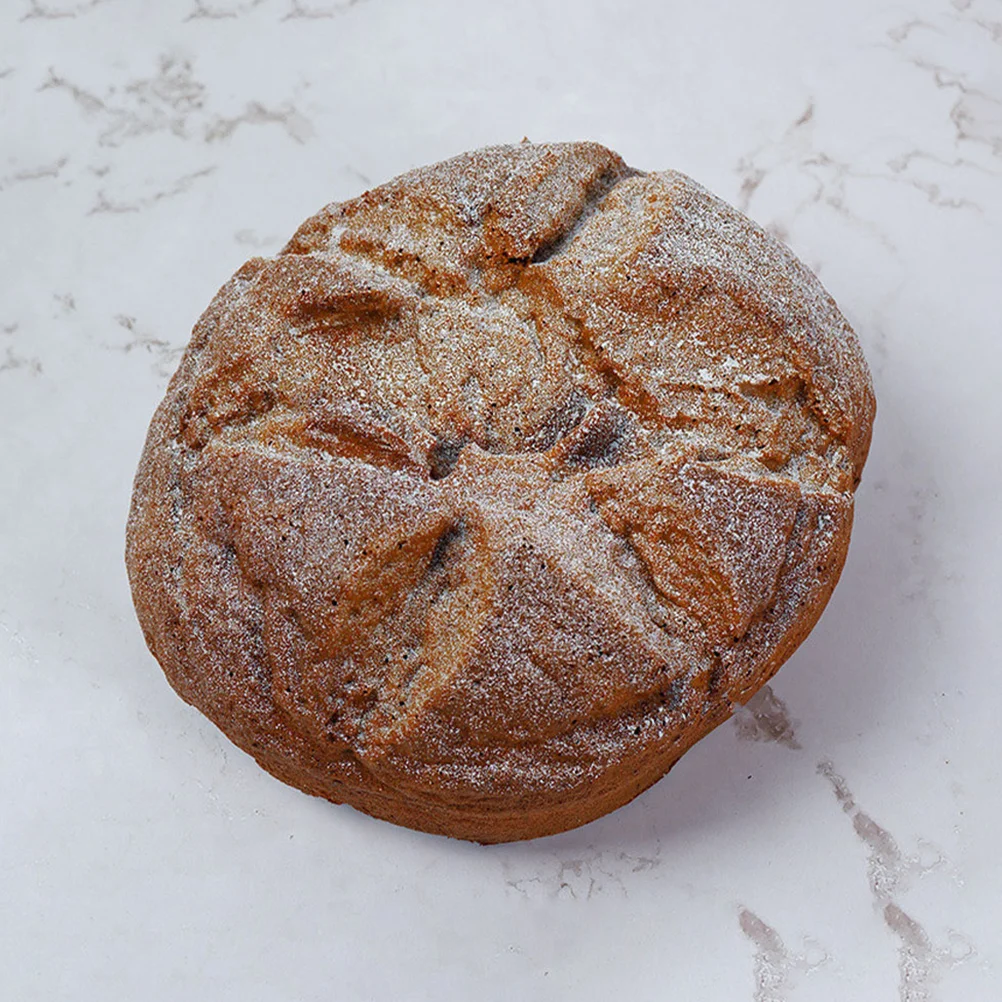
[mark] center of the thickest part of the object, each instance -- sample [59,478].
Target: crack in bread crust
[645,415]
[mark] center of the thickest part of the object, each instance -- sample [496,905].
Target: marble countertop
[838,840]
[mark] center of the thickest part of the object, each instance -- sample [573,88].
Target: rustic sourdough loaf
[498,488]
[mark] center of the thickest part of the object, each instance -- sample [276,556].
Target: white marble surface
[146,150]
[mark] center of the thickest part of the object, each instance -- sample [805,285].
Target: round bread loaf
[498,488]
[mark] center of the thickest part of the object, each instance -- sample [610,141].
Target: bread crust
[498,488]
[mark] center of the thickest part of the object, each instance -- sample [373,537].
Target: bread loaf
[498,488]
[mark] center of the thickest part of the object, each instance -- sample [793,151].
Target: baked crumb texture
[498,487]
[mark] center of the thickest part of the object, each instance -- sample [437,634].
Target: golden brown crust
[498,488]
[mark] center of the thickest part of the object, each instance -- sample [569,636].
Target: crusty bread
[498,488]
